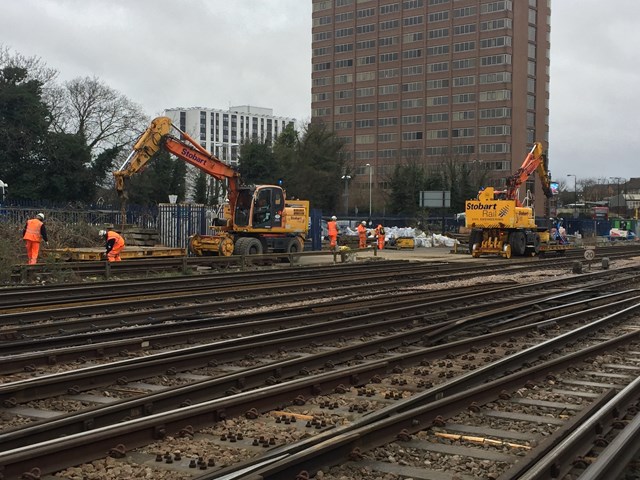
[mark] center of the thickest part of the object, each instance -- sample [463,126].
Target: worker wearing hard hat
[34,232]
[332,228]
[362,235]
[114,243]
[380,234]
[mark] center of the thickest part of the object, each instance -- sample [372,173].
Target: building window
[464,81]
[344,17]
[495,148]
[495,42]
[495,113]
[388,41]
[438,67]
[409,21]
[412,136]
[318,52]
[366,28]
[495,95]
[386,106]
[437,50]
[389,57]
[365,44]
[365,139]
[415,53]
[501,6]
[498,77]
[320,21]
[464,12]
[318,67]
[344,94]
[347,62]
[365,92]
[392,8]
[496,24]
[365,107]
[439,100]
[344,109]
[341,79]
[436,151]
[504,59]
[343,125]
[412,70]
[411,119]
[389,73]
[462,132]
[464,115]
[387,137]
[437,134]
[321,36]
[438,33]
[412,103]
[412,87]
[464,98]
[437,117]
[388,89]
[464,29]
[321,81]
[344,32]
[438,16]
[464,46]
[463,63]
[413,37]
[344,47]
[389,24]
[368,60]
[436,84]
[387,121]
[411,4]
[495,130]
[366,12]
[365,76]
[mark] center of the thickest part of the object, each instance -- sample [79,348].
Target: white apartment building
[222,132]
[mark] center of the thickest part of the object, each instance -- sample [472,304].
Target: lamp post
[575,194]
[617,180]
[346,179]
[370,184]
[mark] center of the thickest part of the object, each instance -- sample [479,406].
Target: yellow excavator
[501,224]
[257,218]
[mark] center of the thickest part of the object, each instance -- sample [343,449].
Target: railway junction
[416,364]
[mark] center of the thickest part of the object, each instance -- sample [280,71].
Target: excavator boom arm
[534,161]
[158,136]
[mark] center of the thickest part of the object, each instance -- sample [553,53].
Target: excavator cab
[268,203]
[259,207]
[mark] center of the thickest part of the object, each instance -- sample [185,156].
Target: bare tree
[104,117]
[35,66]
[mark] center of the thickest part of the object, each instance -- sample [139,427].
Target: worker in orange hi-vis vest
[380,233]
[332,228]
[362,235]
[114,244]
[34,232]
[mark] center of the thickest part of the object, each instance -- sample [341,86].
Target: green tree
[24,123]
[406,184]
[316,168]
[161,177]
[257,163]
[200,188]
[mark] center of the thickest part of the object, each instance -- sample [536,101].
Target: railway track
[369,360]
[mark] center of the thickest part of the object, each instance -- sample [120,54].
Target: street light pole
[617,179]
[370,183]
[575,194]
[346,179]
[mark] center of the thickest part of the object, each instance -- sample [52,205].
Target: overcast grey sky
[218,53]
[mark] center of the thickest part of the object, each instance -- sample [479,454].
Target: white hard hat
[40,216]
[334,217]
[364,222]
[102,233]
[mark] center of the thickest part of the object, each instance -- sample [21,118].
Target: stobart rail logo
[480,206]
[192,156]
